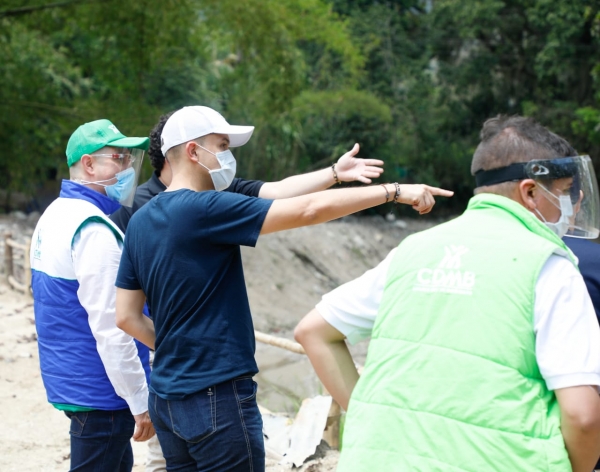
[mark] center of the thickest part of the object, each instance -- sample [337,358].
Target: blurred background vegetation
[410,80]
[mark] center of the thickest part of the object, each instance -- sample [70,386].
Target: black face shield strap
[509,173]
[550,169]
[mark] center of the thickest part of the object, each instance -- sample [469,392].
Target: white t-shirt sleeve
[566,328]
[352,308]
[96,255]
[565,324]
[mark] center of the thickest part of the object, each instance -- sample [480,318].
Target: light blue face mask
[121,190]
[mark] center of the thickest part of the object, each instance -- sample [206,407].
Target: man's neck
[191,182]
[166,175]
[163,180]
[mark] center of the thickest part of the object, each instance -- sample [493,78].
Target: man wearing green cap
[94,372]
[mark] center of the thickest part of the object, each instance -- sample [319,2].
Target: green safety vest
[451,382]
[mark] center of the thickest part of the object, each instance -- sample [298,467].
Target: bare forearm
[328,205]
[332,204]
[580,425]
[326,348]
[348,168]
[582,445]
[131,319]
[322,206]
[296,185]
[335,367]
[139,327]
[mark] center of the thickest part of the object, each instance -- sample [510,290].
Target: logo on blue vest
[37,250]
[447,276]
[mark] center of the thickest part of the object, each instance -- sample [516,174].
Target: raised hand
[350,168]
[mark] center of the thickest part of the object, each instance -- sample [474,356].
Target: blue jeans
[100,441]
[217,429]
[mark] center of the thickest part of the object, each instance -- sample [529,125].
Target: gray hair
[507,140]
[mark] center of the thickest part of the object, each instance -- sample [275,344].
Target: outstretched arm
[348,168]
[328,205]
[326,348]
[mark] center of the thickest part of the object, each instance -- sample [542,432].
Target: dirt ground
[286,275]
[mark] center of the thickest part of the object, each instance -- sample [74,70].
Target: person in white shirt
[485,351]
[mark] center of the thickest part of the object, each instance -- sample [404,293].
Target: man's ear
[88,164]
[528,193]
[191,151]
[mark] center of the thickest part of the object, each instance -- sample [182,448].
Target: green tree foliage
[532,57]
[410,80]
[39,85]
[132,61]
[331,120]
[444,66]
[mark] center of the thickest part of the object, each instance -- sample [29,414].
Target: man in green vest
[485,350]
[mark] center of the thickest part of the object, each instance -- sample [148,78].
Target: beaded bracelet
[397,196]
[337,181]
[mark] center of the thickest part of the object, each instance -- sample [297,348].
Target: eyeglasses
[123,158]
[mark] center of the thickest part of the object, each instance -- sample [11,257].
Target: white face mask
[561,227]
[222,177]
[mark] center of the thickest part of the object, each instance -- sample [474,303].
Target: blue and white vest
[72,371]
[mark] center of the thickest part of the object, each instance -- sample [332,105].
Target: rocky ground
[286,275]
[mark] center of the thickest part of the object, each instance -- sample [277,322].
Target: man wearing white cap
[347,168]
[182,253]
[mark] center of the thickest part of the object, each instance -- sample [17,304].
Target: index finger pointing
[440,192]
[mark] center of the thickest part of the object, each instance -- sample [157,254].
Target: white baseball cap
[194,122]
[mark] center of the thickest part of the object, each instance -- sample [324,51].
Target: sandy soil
[286,275]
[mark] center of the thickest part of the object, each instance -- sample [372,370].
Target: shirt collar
[156,186]
[70,189]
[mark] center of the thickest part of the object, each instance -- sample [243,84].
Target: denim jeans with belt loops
[218,429]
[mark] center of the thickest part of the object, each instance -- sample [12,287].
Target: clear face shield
[122,186]
[570,184]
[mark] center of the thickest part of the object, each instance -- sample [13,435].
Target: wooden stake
[9,246]
[279,342]
[8,257]
[27,268]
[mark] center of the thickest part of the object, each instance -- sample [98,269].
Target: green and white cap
[94,135]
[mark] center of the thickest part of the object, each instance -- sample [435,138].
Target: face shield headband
[584,222]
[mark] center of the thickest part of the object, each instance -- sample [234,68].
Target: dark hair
[509,139]
[157,159]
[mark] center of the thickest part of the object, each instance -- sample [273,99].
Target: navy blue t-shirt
[183,250]
[588,254]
